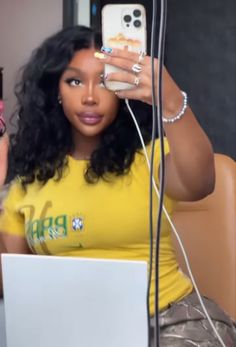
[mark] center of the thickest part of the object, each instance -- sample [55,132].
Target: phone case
[123,27]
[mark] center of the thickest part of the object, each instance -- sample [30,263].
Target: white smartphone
[123,27]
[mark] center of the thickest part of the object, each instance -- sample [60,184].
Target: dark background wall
[201,56]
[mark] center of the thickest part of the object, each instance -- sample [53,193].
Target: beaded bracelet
[180,114]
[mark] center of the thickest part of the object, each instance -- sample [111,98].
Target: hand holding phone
[123,27]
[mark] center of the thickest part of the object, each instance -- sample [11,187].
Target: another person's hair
[43,140]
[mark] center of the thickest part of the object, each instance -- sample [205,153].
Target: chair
[208,231]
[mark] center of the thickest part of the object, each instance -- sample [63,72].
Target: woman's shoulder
[18,188]
[15,188]
[11,193]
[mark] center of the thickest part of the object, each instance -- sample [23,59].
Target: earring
[59,99]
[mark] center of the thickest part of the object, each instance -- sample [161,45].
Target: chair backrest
[208,231]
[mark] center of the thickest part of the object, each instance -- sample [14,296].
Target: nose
[90,96]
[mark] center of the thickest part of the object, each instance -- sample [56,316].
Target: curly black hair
[43,140]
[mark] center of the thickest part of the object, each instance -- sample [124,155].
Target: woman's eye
[74,82]
[102,82]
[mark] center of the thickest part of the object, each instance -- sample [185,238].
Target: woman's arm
[8,243]
[11,244]
[190,172]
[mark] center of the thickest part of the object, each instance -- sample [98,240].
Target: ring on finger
[136,68]
[142,55]
[136,81]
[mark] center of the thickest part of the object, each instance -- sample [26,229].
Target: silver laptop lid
[71,302]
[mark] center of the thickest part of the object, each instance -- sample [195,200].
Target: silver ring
[142,55]
[136,68]
[136,81]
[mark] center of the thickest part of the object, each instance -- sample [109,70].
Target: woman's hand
[190,172]
[142,81]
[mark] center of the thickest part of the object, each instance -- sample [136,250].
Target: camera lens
[127,18]
[137,23]
[137,13]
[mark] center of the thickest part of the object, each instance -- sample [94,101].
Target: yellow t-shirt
[108,219]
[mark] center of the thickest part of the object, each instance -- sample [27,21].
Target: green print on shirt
[40,230]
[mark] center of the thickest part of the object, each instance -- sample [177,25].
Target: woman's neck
[84,146]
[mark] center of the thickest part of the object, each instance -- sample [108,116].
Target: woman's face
[87,104]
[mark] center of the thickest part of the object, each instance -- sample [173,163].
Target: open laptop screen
[65,301]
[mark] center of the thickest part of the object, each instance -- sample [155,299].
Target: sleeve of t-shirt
[11,220]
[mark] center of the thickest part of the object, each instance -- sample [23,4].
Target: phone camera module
[137,13]
[127,18]
[137,23]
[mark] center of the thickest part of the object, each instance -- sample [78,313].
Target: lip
[90,118]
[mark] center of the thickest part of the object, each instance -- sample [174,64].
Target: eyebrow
[77,70]
[74,69]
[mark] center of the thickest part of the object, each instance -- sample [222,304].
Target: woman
[77,146]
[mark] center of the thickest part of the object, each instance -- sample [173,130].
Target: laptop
[74,302]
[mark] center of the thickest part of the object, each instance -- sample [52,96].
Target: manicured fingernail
[107,50]
[99,55]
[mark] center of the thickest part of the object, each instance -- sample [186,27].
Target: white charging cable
[175,231]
